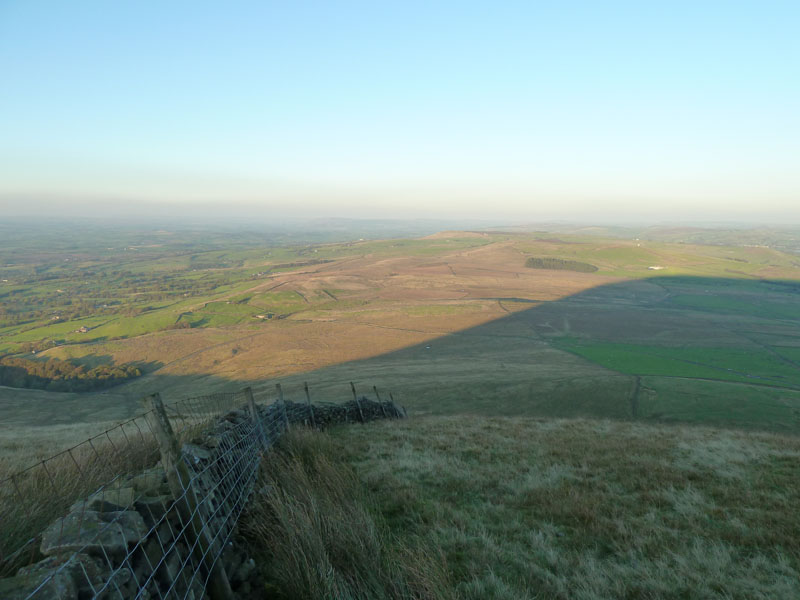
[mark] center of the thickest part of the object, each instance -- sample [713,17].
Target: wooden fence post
[397,407]
[355,397]
[180,484]
[251,404]
[283,405]
[310,406]
[378,396]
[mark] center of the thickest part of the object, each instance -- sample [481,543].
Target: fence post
[283,405]
[355,397]
[397,407]
[251,404]
[378,396]
[180,484]
[310,406]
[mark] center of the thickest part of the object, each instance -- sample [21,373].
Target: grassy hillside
[575,509]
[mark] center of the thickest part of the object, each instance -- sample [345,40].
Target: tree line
[56,375]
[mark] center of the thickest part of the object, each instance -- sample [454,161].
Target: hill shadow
[696,349]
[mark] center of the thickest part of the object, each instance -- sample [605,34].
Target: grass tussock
[590,510]
[314,533]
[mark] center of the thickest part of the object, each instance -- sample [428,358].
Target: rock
[166,532]
[112,499]
[237,416]
[152,482]
[196,453]
[153,509]
[171,567]
[94,532]
[223,426]
[60,586]
[148,561]
[63,578]
[120,583]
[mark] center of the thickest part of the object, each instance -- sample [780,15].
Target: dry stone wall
[168,533]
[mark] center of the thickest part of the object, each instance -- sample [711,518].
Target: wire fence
[147,508]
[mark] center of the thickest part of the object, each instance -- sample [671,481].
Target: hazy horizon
[160,215]
[601,113]
[33,206]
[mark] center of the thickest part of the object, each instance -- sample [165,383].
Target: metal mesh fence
[113,517]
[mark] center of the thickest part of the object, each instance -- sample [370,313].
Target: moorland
[596,413]
[452,321]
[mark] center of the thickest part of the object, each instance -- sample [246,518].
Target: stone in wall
[94,532]
[65,577]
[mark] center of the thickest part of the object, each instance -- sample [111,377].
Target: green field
[725,364]
[746,306]
[746,406]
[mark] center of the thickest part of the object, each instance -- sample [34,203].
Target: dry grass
[590,510]
[35,494]
[317,538]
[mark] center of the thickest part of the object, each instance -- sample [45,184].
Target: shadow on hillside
[526,363]
[521,364]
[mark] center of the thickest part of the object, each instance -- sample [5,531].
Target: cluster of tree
[302,263]
[559,264]
[38,345]
[62,376]
[179,325]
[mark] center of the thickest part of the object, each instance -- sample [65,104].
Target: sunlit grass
[567,509]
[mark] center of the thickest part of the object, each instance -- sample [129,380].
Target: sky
[604,111]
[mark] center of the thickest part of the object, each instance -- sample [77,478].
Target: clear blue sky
[669,110]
